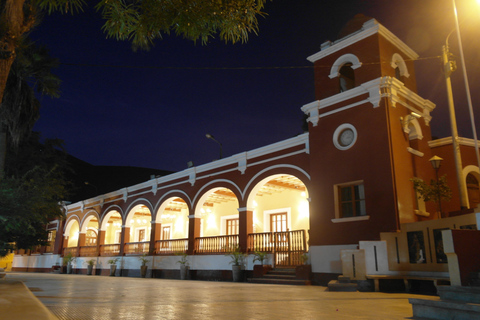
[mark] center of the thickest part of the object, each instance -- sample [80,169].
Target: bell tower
[368,131]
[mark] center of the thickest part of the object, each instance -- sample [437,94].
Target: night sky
[153,109]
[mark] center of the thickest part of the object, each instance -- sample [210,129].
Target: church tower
[368,133]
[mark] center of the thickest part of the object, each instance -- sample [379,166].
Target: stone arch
[279,201]
[164,200]
[274,170]
[68,224]
[109,212]
[398,62]
[414,129]
[473,191]
[341,61]
[219,183]
[72,239]
[91,214]
[138,219]
[136,202]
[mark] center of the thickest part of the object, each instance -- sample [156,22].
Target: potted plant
[90,263]
[143,269]
[183,265]
[113,266]
[303,271]
[68,259]
[237,259]
[260,269]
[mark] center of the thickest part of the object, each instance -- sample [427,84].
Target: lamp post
[436,162]
[449,67]
[209,136]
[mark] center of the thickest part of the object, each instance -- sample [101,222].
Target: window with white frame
[350,200]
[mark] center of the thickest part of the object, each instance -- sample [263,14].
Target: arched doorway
[219,221]
[473,191]
[71,235]
[281,218]
[89,236]
[171,235]
[137,238]
[110,234]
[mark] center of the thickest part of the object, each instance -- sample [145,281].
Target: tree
[435,191]
[138,21]
[20,109]
[30,193]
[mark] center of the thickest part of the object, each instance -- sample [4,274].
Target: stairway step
[441,309]
[279,281]
[458,293]
[279,276]
[334,285]
[343,279]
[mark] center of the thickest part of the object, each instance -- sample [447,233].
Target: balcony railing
[168,247]
[110,249]
[216,244]
[137,247]
[88,251]
[263,242]
[72,250]
[289,247]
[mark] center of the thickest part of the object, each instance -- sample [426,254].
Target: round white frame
[339,130]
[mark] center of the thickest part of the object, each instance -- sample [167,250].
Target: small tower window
[346,77]
[397,74]
[400,67]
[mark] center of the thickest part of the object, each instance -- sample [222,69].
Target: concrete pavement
[100,297]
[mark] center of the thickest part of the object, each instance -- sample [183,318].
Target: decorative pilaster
[193,232]
[245,227]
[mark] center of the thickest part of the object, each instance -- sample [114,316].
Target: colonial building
[347,180]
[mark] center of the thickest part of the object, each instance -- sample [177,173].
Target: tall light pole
[449,66]
[209,136]
[467,91]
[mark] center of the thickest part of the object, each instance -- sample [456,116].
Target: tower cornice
[368,29]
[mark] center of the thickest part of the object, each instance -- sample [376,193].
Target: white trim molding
[383,87]
[346,58]
[397,61]
[369,28]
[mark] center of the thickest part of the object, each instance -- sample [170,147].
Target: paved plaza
[96,297]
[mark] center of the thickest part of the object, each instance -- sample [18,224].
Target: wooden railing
[50,247]
[263,242]
[216,244]
[172,246]
[110,249]
[289,247]
[71,250]
[37,250]
[137,247]
[88,251]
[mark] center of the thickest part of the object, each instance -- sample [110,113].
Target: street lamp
[449,67]
[436,162]
[209,136]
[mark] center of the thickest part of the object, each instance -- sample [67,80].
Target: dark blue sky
[153,109]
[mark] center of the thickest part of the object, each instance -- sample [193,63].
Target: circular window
[345,136]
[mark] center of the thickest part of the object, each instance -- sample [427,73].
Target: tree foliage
[138,21]
[30,193]
[30,72]
[143,21]
[435,191]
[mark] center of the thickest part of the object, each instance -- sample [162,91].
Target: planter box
[303,272]
[260,270]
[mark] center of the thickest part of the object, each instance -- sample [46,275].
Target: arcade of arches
[278,205]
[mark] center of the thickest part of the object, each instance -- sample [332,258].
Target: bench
[406,280]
